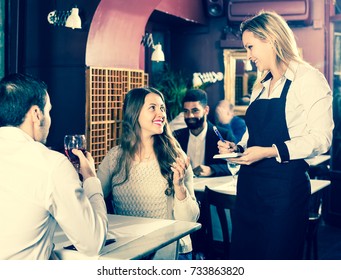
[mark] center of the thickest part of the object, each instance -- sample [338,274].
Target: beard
[194,123]
[44,132]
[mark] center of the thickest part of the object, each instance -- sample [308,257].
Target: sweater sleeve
[187,209]
[105,170]
[104,175]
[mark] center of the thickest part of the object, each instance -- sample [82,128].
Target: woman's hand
[254,154]
[179,170]
[226,147]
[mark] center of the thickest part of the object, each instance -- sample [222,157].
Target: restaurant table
[224,185]
[318,160]
[136,238]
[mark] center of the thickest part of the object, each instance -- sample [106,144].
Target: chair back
[222,202]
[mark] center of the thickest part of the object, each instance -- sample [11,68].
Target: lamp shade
[158,54]
[74,21]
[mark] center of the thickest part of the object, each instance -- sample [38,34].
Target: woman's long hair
[166,147]
[271,27]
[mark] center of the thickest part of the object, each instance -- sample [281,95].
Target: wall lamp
[208,77]
[147,41]
[69,18]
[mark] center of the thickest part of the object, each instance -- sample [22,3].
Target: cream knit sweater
[143,194]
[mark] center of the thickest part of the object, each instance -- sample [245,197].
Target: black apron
[271,214]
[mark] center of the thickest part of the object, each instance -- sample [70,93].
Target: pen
[218,133]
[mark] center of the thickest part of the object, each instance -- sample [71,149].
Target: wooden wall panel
[106,89]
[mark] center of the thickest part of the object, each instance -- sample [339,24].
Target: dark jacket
[218,166]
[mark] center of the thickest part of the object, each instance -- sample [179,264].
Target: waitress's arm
[254,154]
[309,117]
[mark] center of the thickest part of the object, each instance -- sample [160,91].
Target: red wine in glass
[76,141]
[72,157]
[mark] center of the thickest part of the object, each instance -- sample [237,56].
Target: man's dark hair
[194,95]
[18,93]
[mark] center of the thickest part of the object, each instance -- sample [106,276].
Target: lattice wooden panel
[106,90]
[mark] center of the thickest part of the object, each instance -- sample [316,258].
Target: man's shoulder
[238,120]
[44,158]
[47,155]
[181,131]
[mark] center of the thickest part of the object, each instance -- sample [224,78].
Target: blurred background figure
[198,138]
[225,118]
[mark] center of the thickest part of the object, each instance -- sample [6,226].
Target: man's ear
[35,114]
[207,109]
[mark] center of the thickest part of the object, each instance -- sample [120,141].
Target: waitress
[289,119]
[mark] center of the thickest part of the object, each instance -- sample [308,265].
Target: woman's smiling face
[153,115]
[259,51]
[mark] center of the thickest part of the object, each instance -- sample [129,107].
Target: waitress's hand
[179,168]
[254,154]
[226,147]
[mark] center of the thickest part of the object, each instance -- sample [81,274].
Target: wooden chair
[217,249]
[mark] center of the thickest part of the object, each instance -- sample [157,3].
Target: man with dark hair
[40,187]
[198,138]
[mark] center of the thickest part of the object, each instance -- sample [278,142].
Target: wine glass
[76,141]
[234,168]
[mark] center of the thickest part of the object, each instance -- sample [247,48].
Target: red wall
[116,31]
[312,38]
[118,26]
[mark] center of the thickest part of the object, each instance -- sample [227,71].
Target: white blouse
[308,111]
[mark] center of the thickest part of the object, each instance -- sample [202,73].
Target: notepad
[229,155]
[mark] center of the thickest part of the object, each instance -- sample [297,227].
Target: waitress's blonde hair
[272,28]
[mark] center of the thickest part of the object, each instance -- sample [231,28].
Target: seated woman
[148,175]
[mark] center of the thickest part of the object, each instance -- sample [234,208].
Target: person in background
[196,139]
[40,187]
[148,175]
[289,119]
[225,118]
